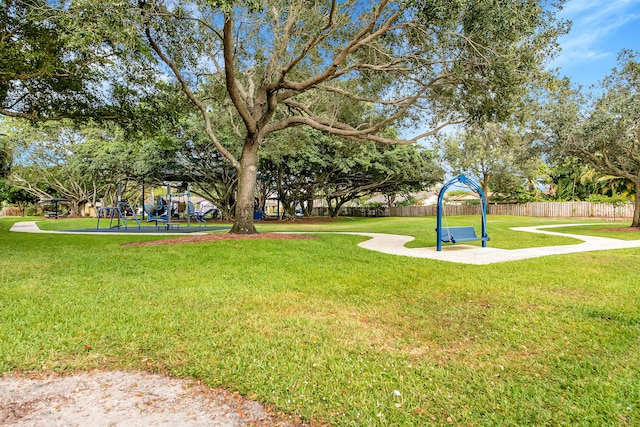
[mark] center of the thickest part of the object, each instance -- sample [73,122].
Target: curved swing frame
[462,179]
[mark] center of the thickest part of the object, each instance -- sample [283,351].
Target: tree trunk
[636,211]
[308,208]
[75,208]
[485,185]
[247,177]
[330,210]
[391,200]
[334,210]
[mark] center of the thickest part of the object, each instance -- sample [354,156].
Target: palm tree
[615,185]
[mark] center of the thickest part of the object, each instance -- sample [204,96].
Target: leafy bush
[617,199]
[373,205]
[409,201]
[31,210]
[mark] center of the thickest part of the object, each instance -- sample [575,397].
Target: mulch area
[216,237]
[100,398]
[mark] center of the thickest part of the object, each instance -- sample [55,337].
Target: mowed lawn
[337,334]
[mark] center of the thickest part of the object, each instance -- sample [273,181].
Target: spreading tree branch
[193,98]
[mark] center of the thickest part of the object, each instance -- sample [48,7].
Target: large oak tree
[278,64]
[281,64]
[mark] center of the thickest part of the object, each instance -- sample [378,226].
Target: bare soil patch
[123,399]
[623,229]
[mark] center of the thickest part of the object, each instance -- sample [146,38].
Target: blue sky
[600,30]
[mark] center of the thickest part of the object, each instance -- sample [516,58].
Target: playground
[166,212]
[123,220]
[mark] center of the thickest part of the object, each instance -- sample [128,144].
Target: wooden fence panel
[534,209]
[10,211]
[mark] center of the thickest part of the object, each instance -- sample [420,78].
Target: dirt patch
[623,229]
[123,399]
[214,237]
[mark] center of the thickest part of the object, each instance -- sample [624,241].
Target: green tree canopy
[43,70]
[71,60]
[83,163]
[286,64]
[499,157]
[320,166]
[606,133]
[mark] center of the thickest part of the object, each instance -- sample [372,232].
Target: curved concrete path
[467,254]
[32,227]
[394,244]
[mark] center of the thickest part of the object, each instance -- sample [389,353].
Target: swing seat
[461,234]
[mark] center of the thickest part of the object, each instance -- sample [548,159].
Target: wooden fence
[10,211]
[534,209]
[357,211]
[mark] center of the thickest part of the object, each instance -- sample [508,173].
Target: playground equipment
[174,206]
[156,212]
[120,213]
[455,235]
[198,214]
[205,208]
[165,210]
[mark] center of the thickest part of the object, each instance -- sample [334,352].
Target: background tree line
[85,163]
[575,144]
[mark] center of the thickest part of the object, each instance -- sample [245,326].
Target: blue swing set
[120,213]
[455,235]
[161,211]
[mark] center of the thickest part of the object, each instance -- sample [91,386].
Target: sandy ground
[123,399]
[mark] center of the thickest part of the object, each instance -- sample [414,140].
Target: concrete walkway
[394,244]
[32,227]
[466,254]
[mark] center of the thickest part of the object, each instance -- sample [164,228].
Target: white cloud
[594,24]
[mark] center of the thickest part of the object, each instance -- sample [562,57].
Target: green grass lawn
[335,333]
